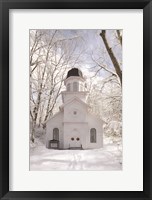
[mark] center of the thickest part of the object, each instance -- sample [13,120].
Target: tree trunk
[112,56]
[33,132]
[119,37]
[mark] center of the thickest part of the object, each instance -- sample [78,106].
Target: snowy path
[107,158]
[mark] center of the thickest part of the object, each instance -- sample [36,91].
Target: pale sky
[92,42]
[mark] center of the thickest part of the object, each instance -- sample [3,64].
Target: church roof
[72,99]
[74,72]
[54,116]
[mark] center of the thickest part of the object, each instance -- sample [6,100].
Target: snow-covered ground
[107,158]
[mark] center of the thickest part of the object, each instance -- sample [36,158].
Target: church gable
[75,110]
[74,100]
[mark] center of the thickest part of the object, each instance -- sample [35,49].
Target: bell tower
[75,86]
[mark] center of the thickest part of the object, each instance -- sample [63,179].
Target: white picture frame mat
[131,177]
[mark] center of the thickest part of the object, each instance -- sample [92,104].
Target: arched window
[93,135]
[68,87]
[55,134]
[75,86]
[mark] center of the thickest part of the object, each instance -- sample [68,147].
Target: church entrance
[75,140]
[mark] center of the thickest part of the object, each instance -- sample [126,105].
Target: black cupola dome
[74,72]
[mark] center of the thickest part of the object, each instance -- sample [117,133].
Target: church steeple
[75,85]
[74,81]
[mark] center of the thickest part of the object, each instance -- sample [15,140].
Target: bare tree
[50,57]
[105,98]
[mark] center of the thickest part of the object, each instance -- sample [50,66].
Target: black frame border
[5,5]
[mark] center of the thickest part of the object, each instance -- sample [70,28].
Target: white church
[73,127]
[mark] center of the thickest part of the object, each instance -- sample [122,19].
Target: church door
[75,140]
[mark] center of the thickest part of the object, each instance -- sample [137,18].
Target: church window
[68,87]
[93,135]
[55,134]
[75,86]
[78,139]
[72,138]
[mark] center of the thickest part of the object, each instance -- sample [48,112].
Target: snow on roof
[56,114]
